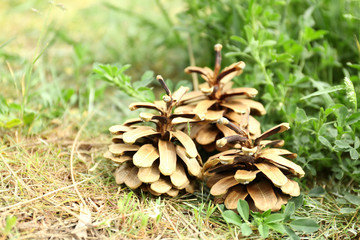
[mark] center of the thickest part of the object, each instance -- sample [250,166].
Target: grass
[37,188]
[54,182]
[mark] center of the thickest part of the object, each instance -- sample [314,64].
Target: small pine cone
[160,159]
[218,99]
[253,171]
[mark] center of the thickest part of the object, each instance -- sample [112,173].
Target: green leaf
[275,217]
[354,154]
[243,209]
[245,229]
[341,115]
[289,210]
[10,223]
[249,33]
[266,213]
[350,92]
[291,233]
[325,142]
[147,78]
[13,123]
[301,115]
[268,43]
[221,207]
[317,192]
[15,106]
[324,91]
[356,66]
[332,109]
[298,201]
[147,93]
[28,118]
[347,210]
[342,144]
[277,227]
[305,225]
[357,143]
[239,39]
[310,34]
[339,175]
[352,199]
[3,105]
[353,118]
[115,75]
[231,217]
[263,230]
[69,94]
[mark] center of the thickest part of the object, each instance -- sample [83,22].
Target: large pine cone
[253,171]
[218,99]
[160,159]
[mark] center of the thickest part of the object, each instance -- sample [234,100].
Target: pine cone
[253,171]
[217,99]
[161,159]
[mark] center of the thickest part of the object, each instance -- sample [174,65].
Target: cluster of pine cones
[159,152]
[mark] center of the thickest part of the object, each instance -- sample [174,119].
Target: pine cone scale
[167,157]
[273,173]
[187,142]
[222,186]
[234,195]
[145,156]
[120,149]
[131,136]
[161,186]
[263,195]
[149,174]
[179,178]
[132,180]
[294,168]
[245,176]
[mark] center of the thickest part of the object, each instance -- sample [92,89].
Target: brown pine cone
[160,159]
[253,171]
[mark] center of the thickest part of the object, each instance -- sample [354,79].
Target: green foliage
[337,145]
[284,223]
[7,118]
[350,92]
[9,225]
[116,76]
[297,60]
[243,209]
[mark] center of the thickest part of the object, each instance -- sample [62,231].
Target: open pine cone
[161,160]
[253,171]
[218,99]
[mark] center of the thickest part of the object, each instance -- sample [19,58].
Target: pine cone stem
[217,67]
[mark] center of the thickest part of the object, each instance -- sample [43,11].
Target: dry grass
[37,188]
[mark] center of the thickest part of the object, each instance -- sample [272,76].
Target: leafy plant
[9,225]
[298,62]
[335,129]
[7,120]
[115,75]
[284,223]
